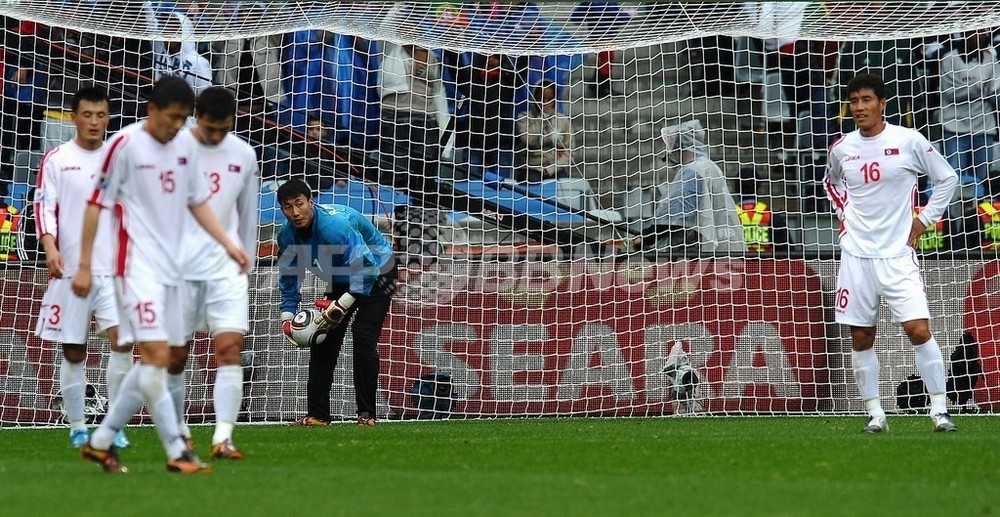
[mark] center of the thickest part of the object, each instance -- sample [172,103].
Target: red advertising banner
[982,320]
[560,338]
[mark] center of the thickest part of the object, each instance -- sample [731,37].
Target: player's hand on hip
[81,282]
[236,253]
[54,261]
[916,230]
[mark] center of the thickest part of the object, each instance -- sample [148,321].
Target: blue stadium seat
[270,211]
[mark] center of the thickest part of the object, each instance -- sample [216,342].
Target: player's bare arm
[53,259]
[82,279]
[206,218]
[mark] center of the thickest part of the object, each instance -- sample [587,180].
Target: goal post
[519,155]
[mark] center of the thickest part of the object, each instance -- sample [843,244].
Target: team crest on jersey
[234,168]
[892,152]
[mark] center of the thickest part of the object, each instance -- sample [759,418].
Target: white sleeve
[246,207]
[833,182]
[113,173]
[198,189]
[46,199]
[942,176]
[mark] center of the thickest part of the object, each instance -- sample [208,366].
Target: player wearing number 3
[872,181]
[216,292]
[149,182]
[65,181]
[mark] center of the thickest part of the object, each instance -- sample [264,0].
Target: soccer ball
[303,330]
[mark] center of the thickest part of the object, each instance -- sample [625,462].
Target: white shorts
[65,317]
[862,280]
[217,305]
[149,311]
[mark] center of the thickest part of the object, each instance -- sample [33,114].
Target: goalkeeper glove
[286,328]
[333,311]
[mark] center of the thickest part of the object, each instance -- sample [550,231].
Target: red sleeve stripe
[121,262]
[839,199]
[835,142]
[39,181]
[116,144]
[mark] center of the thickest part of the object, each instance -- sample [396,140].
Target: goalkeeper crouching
[343,248]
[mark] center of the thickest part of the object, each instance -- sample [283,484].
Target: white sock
[175,384]
[930,362]
[125,407]
[866,371]
[227,397]
[73,383]
[119,364]
[153,383]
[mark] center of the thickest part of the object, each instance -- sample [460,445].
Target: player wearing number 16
[149,182]
[872,181]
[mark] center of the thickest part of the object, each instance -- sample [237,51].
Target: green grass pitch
[570,466]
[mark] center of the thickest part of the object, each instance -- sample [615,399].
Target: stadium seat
[270,211]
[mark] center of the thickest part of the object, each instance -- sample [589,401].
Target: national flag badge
[182,160]
[234,168]
[892,152]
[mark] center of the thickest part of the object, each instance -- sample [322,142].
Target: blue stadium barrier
[520,203]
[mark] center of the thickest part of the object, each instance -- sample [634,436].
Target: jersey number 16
[871,172]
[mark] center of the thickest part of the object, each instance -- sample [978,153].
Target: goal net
[598,208]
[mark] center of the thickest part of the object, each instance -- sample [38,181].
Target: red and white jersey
[66,178]
[230,169]
[149,186]
[872,182]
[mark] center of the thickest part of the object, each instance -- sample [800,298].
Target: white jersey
[872,182]
[230,169]
[66,178]
[149,185]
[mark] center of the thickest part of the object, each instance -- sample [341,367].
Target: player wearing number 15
[149,180]
[872,181]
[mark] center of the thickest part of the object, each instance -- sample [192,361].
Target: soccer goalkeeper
[342,247]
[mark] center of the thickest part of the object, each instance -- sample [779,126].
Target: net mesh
[514,152]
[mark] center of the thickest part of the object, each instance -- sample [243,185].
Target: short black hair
[171,89]
[216,103]
[865,80]
[291,189]
[89,93]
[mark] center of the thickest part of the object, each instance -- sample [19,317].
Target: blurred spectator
[970,75]
[414,113]
[490,85]
[252,66]
[307,167]
[602,21]
[547,136]
[713,55]
[23,89]
[697,212]
[180,58]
